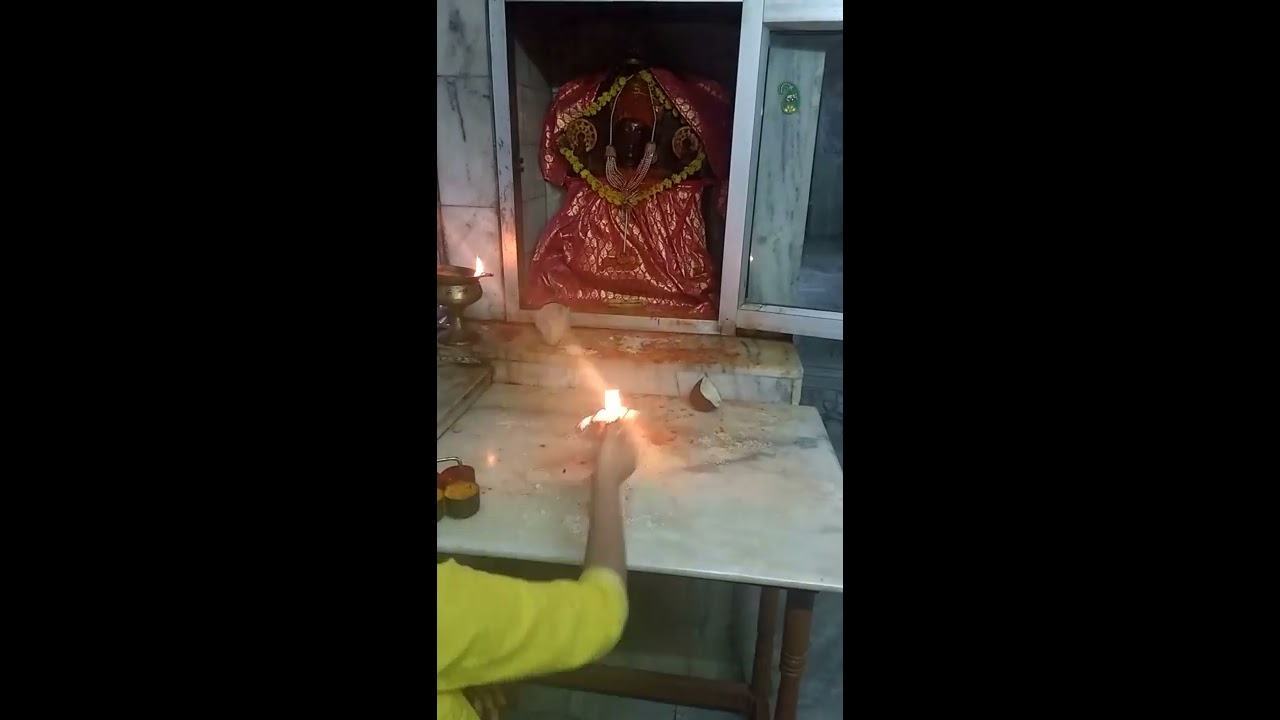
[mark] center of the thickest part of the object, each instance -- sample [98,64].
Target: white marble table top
[749,493]
[457,386]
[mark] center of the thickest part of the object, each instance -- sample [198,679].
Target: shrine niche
[633,148]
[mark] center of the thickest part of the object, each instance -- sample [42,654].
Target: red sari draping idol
[631,238]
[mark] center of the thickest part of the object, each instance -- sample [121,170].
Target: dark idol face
[629,138]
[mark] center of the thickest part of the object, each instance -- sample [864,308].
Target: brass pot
[456,289]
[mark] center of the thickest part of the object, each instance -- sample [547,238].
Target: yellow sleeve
[493,628]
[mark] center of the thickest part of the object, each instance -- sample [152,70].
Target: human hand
[487,700]
[616,459]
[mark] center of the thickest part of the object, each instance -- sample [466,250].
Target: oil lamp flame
[479,266]
[613,410]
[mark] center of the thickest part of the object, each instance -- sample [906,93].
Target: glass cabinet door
[797,230]
[792,277]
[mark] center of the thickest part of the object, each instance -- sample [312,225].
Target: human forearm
[605,543]
[496,629]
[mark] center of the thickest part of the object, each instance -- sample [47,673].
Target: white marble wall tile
[532,186]
[784,173]
[527,73]
[555,198]
[631,377]
[501,371]
[739,356]
[533,219]
[763,371]
[520,64]
[531,107]
[472,232]
[554,193]
[521,373]
[462,37]
[464,143]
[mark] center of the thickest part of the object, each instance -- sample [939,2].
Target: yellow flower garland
[606,192]
[602,102]
[616,197]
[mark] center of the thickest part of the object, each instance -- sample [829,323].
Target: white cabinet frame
[759,17]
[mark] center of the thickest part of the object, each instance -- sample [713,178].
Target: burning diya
[612,412]
[456,288]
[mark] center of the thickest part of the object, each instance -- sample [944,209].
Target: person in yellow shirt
[494,629]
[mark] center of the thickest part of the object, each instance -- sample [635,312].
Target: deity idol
[635,149]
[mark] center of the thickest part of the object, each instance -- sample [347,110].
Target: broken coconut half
[704,396]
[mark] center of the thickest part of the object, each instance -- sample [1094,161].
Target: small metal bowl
[455,274]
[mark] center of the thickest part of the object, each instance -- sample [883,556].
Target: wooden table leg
[761,668]
[795,645]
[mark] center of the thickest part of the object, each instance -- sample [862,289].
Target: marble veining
[784,171]
[527,72]
[457,386]
[462,38]
[531,106]
[732,386]
[472,232]
[465,142]
[749,493]
[532,186]
[644,363]
[555,198]
[596,347]
[533,219]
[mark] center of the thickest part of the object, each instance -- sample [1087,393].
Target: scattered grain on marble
[647,520]
[725,447]
[629,344]
[574,524]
